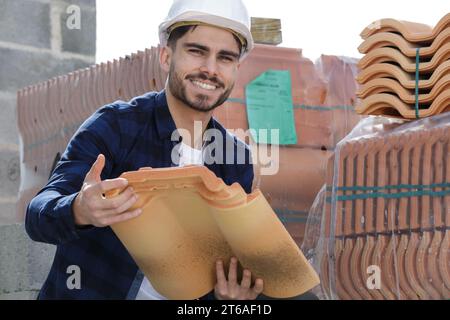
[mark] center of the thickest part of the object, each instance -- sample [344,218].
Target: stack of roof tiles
[387,214]
[406,69]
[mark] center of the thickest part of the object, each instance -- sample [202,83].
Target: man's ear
[165,58]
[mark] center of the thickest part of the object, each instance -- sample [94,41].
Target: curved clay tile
[359,274]
[146,70]
[102,86]
[373,146]
[392,55]
[110,97]
[386,85]
[438,207]
[155,67]
[407,80]
[180,235]
[349,242]
[138,64]
[411,31]
[444,258]
[335,270]
[430,138]
[325,254]
[380,221]
[390,105]
[388,264]
[415,213]
[407,142]
[388,39]
[121,79]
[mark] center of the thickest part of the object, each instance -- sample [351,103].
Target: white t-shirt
[188,156]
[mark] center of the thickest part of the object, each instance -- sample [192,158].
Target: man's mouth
[203,85]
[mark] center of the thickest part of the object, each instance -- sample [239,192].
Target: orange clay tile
[359,275]
[406,79]
[411,31]
[349,242]
[438,214]
[325,249]
[432,137]
[391,55]
[408,143]
[386,85]
[390,105]
[372,146]
[393,40]
[185,229]
[444,267]
[342,286]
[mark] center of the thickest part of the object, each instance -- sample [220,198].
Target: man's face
[203,67]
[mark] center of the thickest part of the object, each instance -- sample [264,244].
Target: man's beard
[178,90]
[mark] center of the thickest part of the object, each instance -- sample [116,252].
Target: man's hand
[231,290]
[92,208]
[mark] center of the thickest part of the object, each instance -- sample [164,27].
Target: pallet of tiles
[387,213]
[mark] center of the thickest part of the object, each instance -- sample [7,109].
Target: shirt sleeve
[247,178]
[49,216]
[247,174]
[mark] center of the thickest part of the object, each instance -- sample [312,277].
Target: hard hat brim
[193,16]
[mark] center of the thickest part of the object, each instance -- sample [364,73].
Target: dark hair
[179,32]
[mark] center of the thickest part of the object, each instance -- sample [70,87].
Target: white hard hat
[227,14]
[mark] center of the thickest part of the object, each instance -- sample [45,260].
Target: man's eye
[195,51]
[226,59]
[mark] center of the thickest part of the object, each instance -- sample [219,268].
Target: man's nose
[210,66]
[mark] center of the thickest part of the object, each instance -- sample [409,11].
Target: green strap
[302,106]
[394,195]
[391,195]
[417,82]
[398,186]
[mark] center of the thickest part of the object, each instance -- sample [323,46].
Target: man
[203,43]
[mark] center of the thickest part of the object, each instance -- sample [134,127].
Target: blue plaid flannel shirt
[131,135]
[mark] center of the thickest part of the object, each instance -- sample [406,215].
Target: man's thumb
[94,173]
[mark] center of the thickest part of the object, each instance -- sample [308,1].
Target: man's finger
[258,287]
[94,173]
[246,279]
[221,280]
[117,201]
[124,206]
[232,272]
[111,184]
[123,217]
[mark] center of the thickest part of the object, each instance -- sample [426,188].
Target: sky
[316,26]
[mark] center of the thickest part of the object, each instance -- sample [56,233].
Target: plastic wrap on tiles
[379,228]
